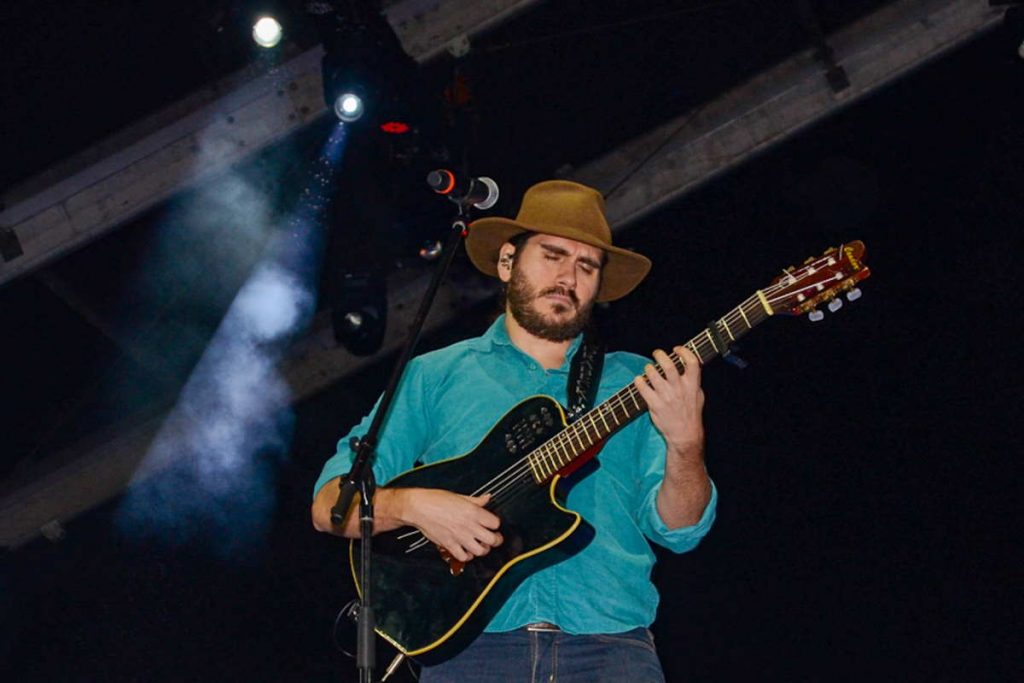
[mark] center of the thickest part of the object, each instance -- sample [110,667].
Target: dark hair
[518,240]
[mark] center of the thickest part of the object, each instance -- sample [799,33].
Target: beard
[521,297]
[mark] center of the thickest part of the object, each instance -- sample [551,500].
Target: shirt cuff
[335,467]
[684,538]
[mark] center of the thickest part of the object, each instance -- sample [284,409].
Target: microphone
[481,193]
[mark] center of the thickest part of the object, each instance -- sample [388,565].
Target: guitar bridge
[455,567]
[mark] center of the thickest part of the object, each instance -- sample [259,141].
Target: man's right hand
[460,524]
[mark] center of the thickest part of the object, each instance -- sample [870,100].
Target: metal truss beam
[679,155]
[84,198]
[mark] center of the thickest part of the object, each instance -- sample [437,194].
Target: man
[586,617]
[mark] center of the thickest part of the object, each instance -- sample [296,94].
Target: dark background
[868,465]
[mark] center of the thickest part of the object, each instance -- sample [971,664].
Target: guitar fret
[727,330]
[704,355]
[710,338]
[743,313]
[534,459]
[530,460]
[582,424]
[632,395]
[563,442]
[553,460]
[556,461]
[607,429]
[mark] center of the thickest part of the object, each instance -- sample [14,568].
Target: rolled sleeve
[677,540]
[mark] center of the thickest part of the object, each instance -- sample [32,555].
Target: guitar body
[421,605]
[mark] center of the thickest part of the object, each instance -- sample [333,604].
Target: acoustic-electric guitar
[430,605]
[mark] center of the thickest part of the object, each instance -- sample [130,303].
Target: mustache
[562,291]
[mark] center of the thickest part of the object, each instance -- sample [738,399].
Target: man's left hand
[675,401]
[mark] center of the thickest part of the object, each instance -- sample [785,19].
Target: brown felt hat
[564,209]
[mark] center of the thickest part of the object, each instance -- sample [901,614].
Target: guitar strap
[585,375]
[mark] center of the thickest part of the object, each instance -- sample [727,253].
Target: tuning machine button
[835,305]
[815,315]
[853,294]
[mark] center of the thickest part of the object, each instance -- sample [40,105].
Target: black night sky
[868,465]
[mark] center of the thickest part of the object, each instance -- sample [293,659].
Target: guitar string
[511,489]
[563,438]
[507,482]
[548,453]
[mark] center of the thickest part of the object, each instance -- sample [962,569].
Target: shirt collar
[497,334]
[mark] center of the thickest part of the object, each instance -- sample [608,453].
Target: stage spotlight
[348,107]
[359,314]
[267,32]
[364,57]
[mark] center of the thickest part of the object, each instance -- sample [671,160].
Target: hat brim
[623,271]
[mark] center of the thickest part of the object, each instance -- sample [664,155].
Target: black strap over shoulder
[585,375]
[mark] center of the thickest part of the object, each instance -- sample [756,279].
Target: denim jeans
[523,656]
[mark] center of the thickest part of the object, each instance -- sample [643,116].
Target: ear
[505,257]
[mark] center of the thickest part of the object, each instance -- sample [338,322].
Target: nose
[566,276]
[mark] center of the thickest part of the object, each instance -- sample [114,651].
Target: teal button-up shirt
[447,402]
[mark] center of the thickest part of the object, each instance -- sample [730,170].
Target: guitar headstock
[820,280]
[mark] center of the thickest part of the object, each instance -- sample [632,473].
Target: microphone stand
[360,477]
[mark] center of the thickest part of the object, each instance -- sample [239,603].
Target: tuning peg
[830,250]
[810,260]
[815,315]
[835,305]
[853,294]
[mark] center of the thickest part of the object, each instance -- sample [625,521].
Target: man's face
[552,286]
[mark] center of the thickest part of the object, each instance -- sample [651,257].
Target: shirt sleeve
[403,436]
[652,471]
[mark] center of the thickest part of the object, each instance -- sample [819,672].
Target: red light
[395,127]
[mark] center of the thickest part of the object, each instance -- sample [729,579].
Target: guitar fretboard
[626,404]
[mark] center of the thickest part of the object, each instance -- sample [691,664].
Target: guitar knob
[815,315]
[853,294]
[835,305]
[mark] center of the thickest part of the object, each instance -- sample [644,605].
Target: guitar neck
[580,439]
